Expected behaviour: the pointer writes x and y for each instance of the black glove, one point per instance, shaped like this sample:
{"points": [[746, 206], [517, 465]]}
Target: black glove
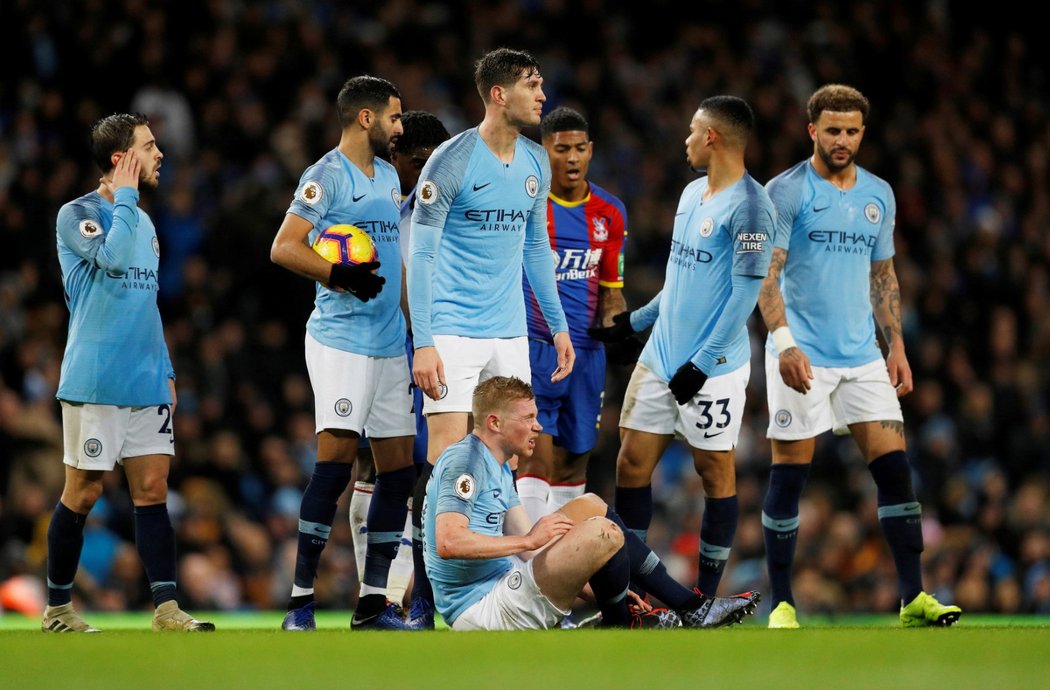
{"points": [[625, 352], [620, 330], [357, 279], [686, 382]]}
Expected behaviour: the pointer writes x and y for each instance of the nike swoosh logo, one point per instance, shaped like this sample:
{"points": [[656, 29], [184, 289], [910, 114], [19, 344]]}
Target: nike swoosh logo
{"points": [[818, 209], [481, 186], [784, 524], [358, 198], [710, 435], [710, 551]]}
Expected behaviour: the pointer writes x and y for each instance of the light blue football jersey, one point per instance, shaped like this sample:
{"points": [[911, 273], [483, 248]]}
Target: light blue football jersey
{"points": [[334, 191], [115, 351], [713, 240], [477, 221], [467, 479], [831, 237]]}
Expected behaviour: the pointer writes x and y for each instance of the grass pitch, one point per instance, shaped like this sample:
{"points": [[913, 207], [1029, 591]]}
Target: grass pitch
{"points": [[249, 651]]}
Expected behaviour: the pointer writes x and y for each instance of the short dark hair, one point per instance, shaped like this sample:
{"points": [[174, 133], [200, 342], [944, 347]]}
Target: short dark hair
{"points": [[423, 130], [838, 98], [113, 133], [496, 394], [362, 92], [502, 67], [563, 119], [732, 111]]}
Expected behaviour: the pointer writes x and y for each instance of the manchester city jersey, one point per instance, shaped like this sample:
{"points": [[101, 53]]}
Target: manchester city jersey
{"points": [[115, 352], [477, 221], [713, 240], [334, 191], [468, 480], [587, 239], [831, 236]]}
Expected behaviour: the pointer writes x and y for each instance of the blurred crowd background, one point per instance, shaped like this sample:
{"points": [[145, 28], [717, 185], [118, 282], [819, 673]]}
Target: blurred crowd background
{"points": [[240, 96]]}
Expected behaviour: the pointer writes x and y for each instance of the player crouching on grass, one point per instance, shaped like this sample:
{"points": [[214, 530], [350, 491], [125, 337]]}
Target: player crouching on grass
{"points": [[474, 525]]}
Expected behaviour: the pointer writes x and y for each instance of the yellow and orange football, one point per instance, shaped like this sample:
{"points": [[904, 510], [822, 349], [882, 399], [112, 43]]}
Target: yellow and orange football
{"points": [[345, 244]]}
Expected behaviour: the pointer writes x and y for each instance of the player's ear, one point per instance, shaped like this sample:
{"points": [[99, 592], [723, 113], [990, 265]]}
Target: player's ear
{"points": [[365, 117], [497, 95]]}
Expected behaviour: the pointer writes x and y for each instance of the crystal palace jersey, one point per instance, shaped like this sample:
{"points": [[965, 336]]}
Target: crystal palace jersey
{"points": [[587, 239]]}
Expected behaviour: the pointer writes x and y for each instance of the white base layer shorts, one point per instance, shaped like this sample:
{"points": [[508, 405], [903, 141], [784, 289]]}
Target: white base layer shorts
{"points": [[710, 421], [359, 392], [838, 397]]}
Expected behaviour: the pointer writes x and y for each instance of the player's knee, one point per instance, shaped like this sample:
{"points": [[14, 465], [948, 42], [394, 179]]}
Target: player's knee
{"points": [[632, 471], [82, 497], [607, 534], [151, 490]]}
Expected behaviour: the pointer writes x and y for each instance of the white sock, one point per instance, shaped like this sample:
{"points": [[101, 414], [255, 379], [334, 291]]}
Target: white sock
{"points": [[533, 493], [360, 499], [401, 568], [563, 493]]}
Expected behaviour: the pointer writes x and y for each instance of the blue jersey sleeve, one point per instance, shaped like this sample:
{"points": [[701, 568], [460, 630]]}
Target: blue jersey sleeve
{"points": [[460, 476], [646, 316], [439, 182], [314, 196], [785, 192], [733, 318], [752, 228], [537, 256], [884, 248], [423, 246], [80, 227]]}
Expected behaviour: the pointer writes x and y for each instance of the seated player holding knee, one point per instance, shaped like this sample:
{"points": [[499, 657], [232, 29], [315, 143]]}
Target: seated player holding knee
{"points": [[490, 571]]}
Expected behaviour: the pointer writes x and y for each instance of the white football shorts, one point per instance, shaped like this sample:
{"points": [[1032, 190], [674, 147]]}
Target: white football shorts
{"points": [[359, 392], [710, 421], [515, 603], [838, 397], [469, 361], [97, 437]]}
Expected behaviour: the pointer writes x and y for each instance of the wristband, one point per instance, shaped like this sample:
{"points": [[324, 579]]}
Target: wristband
{"points": [[782, 339]]}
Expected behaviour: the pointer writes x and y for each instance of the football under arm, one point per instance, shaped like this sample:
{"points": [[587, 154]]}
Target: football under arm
{"points": [[290, 250], [455, 539]]}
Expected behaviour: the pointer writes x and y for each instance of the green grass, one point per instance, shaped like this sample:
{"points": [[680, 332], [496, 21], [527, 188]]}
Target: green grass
{"points": [[249, 652]]}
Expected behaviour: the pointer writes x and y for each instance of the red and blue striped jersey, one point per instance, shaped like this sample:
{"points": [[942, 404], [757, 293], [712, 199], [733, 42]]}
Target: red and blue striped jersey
{"points": [[587, 240]]}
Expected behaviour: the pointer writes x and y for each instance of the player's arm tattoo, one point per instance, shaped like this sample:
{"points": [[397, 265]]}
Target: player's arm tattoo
{"points": [[610, 302], [770, 301], [886, 300]]}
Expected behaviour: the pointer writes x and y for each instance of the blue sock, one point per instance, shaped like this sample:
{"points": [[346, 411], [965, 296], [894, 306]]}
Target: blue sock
{"points": [[386, 523], [155, 541], [901, 518], [610, 589], [648, 571], [316, 514], [420, 582], [716, 540], [65, 539], [780, 526], [635, 508]]}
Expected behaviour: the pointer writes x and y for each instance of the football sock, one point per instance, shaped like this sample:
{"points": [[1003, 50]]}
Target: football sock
{"points": [[610, 589], [65, 540], [155, 541], [533, 492], [386, 523], [315, 522], [780, 526], [360, 500], [901, 518], [420, 582], [648, 571], [560, 494], [716, 540], [635, 508], [401, 569]]}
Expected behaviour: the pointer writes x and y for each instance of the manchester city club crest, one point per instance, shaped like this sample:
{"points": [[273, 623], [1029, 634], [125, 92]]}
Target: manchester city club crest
{"points": [[156, 246], [873, 213], [395, 196], [532, 185], [514, 581], [707, 227], [343, 407], [92, 447], [782, 418], [600, 229]]}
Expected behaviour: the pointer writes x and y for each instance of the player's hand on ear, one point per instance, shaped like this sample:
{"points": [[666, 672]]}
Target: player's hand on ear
{"points": [[126, 171]]}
